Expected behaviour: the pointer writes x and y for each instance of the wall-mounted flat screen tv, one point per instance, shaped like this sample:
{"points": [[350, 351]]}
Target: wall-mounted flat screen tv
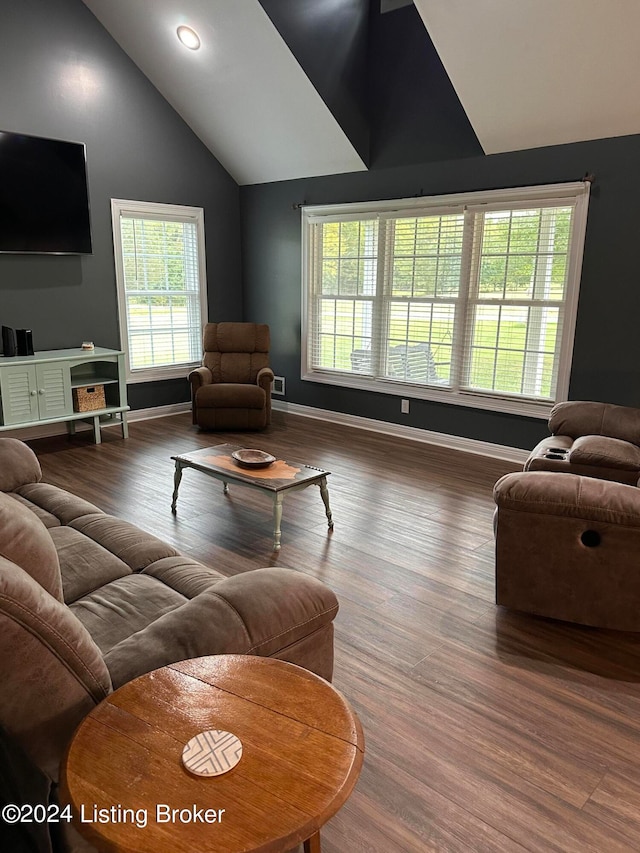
{"points": [[44, 200]]}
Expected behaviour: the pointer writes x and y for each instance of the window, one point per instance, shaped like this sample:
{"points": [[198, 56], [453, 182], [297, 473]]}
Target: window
{"points": [[160, 273], [468, 299]]}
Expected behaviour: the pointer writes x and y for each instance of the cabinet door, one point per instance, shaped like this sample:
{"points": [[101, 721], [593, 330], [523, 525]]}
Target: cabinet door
{"points": [[54, 389], [19, 394]]}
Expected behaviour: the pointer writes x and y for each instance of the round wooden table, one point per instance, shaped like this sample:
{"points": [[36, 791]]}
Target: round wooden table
{"points": [[302, 752]]}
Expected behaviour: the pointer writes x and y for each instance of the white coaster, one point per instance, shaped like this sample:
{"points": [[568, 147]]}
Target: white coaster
{"points": [[212, 753]]}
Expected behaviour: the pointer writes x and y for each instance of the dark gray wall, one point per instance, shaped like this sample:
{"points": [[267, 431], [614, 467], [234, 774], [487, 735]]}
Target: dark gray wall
{"points": [[329, 40], [606, 352], [63, 76], [415, 114]]}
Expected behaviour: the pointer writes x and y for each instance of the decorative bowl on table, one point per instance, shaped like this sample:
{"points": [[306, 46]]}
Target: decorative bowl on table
{"points": [[248, 458]]}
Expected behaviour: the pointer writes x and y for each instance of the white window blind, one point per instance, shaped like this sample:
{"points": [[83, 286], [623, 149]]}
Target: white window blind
{"points": [[465, 299], [161, 287]]}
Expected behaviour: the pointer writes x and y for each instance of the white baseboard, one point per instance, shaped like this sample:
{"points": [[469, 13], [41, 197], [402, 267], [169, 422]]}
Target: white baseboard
{"points": [[33, 432], [440, 439], [159, 412]]}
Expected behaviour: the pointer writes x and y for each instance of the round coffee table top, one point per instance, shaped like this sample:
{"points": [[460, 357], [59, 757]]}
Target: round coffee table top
{"points": [[302, 750]]}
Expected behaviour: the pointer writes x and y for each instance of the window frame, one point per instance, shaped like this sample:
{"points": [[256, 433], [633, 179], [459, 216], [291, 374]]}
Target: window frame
{"points": [[167, 213], [576, 193]]}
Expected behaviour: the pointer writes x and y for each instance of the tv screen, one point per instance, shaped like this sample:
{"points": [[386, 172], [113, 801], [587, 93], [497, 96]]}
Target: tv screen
{"points": [[44, 202]]}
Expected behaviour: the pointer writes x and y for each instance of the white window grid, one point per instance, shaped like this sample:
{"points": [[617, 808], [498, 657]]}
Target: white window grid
{"points": [[160, 268], [448, 375]]}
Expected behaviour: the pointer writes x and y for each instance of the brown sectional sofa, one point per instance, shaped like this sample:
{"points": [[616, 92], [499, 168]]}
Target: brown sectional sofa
{"points": [[568, 526], [566, 548], [89, 602]]}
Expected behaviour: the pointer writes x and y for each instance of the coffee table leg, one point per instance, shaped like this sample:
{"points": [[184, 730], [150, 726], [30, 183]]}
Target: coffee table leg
{"points": [[312, 845], [176, 484], [277, 518], [324, 491]]}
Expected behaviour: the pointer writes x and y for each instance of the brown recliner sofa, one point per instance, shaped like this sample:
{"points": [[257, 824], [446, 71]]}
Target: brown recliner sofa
{"points": [[567, 548], [89, 602], [592, 439], [232, 389]]}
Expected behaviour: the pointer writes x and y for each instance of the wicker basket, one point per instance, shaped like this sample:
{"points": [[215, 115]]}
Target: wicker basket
{"points": [[89, 399]]}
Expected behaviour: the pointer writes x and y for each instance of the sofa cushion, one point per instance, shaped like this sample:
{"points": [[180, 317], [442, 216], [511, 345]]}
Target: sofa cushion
{"points": [[45, 517], [580, 417], [19, 465], [601, 451], [84, 564], [24, 540], [133, 546], [123, 607], [231, 395], [183, 574], [65, 506]]}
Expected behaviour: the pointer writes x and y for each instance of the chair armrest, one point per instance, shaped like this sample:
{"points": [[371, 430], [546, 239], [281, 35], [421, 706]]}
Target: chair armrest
{"points": [[18, 465], [577, 418], [259, 612], [265, 379], [199, 377]]}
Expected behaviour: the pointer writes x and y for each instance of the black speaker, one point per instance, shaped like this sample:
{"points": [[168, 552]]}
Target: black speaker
{"points": [[8, 342], [24, 341]]}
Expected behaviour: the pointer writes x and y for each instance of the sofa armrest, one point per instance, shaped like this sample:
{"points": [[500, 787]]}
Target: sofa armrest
{"points": [[51, 671], [260, 612], [569, 496], [18, 465], [577, 418]]}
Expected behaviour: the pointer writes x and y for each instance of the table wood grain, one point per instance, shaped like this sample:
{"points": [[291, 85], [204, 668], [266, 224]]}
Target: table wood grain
{"points": [[302, 753]]}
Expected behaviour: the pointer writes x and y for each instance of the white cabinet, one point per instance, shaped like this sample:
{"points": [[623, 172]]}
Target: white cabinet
{"points": [[37, 389], [33, 392]]}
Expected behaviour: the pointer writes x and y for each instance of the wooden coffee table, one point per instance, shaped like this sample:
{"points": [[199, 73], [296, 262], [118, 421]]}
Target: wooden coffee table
{"points": [[303, 749], [280, 478]]}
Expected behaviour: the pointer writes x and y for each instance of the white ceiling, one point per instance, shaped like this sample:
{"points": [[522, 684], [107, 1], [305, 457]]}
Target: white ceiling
{"points": [[243, 93], [540, 72]]}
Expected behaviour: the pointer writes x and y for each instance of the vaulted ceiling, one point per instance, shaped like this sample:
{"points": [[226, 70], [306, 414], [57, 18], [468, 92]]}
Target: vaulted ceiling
{"points": [[260, 94], [540, 72], [243, 92]]}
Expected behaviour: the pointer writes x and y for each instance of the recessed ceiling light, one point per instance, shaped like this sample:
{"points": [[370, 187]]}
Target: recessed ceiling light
{"points": [[189, 37]]}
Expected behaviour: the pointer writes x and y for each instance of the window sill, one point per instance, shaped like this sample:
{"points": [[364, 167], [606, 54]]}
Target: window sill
{"points": [[158, 374], [468, 399]]}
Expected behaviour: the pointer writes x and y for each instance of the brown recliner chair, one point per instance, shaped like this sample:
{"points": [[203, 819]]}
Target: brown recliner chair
{"points": [[592, 439], [232, 389]]}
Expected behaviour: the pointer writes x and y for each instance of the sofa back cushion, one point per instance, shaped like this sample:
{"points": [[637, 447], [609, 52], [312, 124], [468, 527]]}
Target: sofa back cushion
{"points": [[25, 541], [580, 417], [19, 465], [52, 673]]}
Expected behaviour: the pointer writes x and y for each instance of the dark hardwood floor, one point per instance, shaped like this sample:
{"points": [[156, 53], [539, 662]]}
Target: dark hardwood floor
{"points": [[486, 730]]}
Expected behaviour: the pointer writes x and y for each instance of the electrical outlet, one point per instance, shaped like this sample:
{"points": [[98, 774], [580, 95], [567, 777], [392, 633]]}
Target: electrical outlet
{"points": [[404, 407], [278, 385]]}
